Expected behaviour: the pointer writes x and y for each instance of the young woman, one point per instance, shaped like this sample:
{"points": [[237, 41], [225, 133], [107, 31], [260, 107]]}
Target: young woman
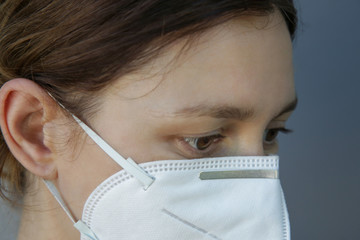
{"points": [[145, 119]]}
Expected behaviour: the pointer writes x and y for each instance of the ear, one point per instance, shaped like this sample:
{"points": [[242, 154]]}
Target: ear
{"points": [[24, 110]]}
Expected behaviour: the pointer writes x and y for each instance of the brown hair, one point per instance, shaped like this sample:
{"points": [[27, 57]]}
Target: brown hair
{"points": [[73, 49]]}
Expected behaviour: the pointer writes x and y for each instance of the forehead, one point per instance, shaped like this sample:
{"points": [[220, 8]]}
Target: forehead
{"points": [[244, 62]]}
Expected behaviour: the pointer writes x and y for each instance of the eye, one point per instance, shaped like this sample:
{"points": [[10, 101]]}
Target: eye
{"points": [[203, 143], [270, 135]]}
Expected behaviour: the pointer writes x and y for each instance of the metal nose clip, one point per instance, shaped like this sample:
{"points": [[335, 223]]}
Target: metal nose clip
{"points": [[271, 174]]}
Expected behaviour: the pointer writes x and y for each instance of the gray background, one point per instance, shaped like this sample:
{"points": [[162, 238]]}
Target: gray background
{"points": [[320, 164], [320, 167]]}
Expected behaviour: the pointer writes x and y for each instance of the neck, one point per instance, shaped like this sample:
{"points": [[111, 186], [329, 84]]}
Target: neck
{"points": [[42, 216]]}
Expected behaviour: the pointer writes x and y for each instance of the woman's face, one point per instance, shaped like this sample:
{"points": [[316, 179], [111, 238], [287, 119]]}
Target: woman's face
{"points": [[216, 100], [229, 94]]}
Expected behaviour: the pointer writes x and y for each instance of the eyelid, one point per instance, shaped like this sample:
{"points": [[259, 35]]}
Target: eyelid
{"points": [[283, 117], [217, 136], [191, 152], [279, 125], [208, 134], [194, 153], [276, 124]]}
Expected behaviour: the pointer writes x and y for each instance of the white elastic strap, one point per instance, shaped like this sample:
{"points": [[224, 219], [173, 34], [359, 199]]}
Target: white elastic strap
{"points": [[128, 165], [84, 229], [58, 198], [79, 225]]}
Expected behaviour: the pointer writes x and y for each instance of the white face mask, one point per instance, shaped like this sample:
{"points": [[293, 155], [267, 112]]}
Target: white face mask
{"points": [[226, 198]]}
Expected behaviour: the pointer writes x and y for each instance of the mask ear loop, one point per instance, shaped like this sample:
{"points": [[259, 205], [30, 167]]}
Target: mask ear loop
{"points": [[127, 164], [79, 225]]}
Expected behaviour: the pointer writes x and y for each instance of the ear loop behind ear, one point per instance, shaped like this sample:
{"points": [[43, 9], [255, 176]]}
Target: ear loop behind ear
{"points": [[128, 164]]}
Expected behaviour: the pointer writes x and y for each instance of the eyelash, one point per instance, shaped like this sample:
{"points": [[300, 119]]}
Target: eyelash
{"points": [[191, 142], [277, 131]]}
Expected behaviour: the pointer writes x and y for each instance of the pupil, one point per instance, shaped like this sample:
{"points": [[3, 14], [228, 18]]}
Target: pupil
{"points": [[203, 143], [271, 135]]}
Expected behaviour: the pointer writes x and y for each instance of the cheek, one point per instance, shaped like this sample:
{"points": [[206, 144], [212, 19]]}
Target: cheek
{"points": [[82, 166]]}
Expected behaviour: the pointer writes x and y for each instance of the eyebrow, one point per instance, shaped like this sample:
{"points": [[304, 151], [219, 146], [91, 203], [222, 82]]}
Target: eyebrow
{"points": [[227, 112]]}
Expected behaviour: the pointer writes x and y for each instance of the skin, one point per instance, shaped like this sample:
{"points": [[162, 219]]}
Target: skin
{"points": [[244, 64]]}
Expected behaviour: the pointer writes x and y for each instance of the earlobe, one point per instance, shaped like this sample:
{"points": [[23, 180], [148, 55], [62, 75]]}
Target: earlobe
{"points": [[25, 108]]}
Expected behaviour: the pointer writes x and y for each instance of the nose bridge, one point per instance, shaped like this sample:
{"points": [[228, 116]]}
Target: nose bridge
{"points": [[251, 149], [249, 143]]}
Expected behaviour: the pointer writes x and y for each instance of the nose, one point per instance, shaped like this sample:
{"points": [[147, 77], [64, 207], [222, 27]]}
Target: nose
{"points": [[250, 144], [252, 150]]}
